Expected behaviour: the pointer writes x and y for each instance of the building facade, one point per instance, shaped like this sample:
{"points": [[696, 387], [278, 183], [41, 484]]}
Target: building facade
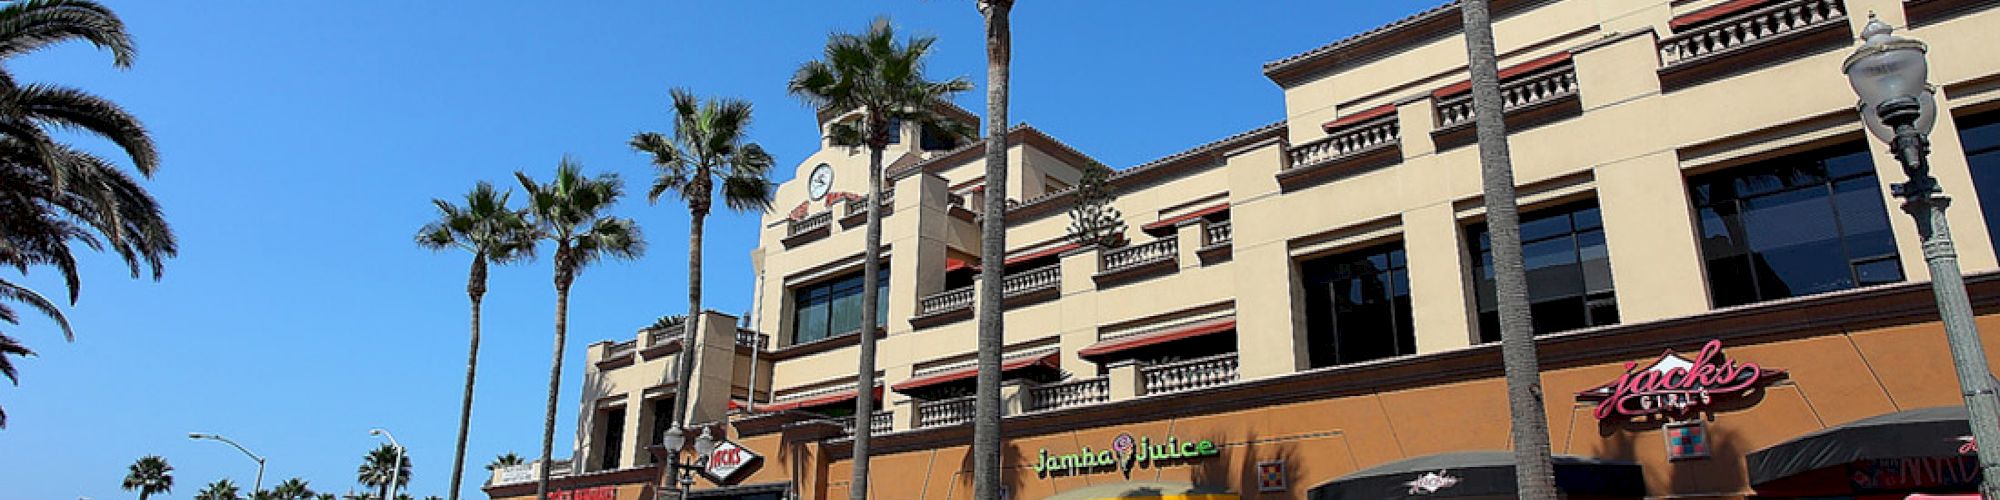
{"points": [[1716, 265]]}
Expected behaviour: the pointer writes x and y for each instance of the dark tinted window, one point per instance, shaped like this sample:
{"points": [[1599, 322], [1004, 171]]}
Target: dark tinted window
{"points": [[1358, 306], [936, 139], [1798, 225], [1569, 271], [614, 437], [1981, 137], [833, 308]]}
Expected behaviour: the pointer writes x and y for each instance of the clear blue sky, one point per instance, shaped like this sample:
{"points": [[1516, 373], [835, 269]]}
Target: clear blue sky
{"points": [[303, 140]]}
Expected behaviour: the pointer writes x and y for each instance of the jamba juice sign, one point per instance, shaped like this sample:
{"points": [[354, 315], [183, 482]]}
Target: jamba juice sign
{"points": [[1125, 454], [1675, 385]]}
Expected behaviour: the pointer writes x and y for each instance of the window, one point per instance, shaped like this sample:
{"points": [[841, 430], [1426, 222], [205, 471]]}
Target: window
{"points": [[613, 422], [1358, 306], [936, 139], [833, 308], [895, 130], [663, 418], [1569, 272], [1981, 137], [1793, 226]]}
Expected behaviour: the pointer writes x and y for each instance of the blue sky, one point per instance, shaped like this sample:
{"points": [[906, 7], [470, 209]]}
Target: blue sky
{"points": [[302, 142]]}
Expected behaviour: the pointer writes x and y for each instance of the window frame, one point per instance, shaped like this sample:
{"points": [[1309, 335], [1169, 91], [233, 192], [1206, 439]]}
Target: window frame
{"points": [[1479, 252]]}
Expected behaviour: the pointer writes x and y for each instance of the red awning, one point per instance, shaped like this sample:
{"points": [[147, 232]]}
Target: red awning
{"points": [[1017, 259], [1175, 220], [1713, 12], [1157, 337], [811, 401], [951, 264], [1369, 114], [1050, 359], [1505, 73]]}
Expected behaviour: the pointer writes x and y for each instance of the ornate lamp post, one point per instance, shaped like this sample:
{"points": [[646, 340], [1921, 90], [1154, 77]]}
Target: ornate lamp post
{"points": [[1889, 73], [259, 485], [680, 476]]}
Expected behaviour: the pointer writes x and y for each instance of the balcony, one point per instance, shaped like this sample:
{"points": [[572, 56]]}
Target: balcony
{"points": [[854, 211], [619, 355], [945, 306], [1926, 12], [1712, 43], [1069, 393], [752, 339], [1349, 148], [944, 412], [1136, 260], [1215, 239], [1034, 284], [1168, 378], [809, 228], [881, 424], [1538, 97]]}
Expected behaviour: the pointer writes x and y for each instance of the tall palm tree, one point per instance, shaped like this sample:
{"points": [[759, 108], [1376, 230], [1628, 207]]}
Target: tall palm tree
{"points": [[376, 469], [1533, 472], [53, 196], [292, 489], [149, 475], [708, 149], [571, 211], [220, 490], [993, 244], [883, 78], [494, 234]]}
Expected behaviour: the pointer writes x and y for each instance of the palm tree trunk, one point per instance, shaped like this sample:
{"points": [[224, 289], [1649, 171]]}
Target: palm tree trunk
{"points": [[555, 380], [864, 385], [685, 371], [1533, 473], [993, 251], [475, 288]]}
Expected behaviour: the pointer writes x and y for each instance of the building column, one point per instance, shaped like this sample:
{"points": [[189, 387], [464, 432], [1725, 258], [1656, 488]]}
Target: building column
{"points": [[632, 448], [1649, 230], [1442, 304], [714, 352]]}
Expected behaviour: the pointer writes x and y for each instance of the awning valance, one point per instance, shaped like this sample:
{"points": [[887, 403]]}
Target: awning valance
{"points": [[1480, 474], [1050, 359], [812, 401], [1156, 337], [1858, 456], [1170, 222]]}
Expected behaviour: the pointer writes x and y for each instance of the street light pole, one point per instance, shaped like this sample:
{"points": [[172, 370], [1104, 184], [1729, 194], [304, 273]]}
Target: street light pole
{"points": [[1889, 73], [259, 486], [395, 468]]}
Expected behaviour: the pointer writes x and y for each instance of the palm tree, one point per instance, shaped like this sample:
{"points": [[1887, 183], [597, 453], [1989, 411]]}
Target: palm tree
{"points": [[505, 460], [52, 195], [376, 470], [219, 490], [882, 77], [707, 149], [570, 210], [1532, 470], [292, 489], [993, 243], [150, 475], [494, 234], [326, 496]]}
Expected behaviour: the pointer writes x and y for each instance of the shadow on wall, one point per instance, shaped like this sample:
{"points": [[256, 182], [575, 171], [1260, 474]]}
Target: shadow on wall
{"points": [[1243, 478], [1721, 473], [1014, 466]]}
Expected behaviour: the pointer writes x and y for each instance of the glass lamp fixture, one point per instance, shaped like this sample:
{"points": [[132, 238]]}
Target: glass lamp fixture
{"points": [[704, 444], [1890, 68]]}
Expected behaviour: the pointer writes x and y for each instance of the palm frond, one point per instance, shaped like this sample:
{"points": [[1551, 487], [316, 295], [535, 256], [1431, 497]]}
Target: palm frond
{"points": [[29, 25], [74, 108]]}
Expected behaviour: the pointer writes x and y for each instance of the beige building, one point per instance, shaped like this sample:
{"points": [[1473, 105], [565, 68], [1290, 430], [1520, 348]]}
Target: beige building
{"points": [[1689, 170]]}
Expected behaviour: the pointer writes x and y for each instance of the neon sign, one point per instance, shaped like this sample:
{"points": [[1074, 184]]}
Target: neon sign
{"points": [[1125, 453], [1676, 385]]}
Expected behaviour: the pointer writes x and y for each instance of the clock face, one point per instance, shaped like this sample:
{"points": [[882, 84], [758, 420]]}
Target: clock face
{"points": [[820, 181]]}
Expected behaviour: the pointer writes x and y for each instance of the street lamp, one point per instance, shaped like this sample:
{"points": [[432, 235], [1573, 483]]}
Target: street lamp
{"points": [[681, 475], [396, 467], [1890, 75], [259, 486]]}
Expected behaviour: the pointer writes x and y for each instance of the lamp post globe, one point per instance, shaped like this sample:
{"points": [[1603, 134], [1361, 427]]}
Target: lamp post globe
{"points": [[1891, 76]]}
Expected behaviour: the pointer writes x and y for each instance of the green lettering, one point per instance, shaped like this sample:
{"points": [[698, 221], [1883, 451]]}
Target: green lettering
{"points": [[1042, 464], [1104, 458], [1206, 448]]}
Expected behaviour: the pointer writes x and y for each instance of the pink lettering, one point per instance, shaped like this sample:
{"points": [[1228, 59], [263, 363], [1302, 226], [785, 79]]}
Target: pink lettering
{"points": [[1642, 391]]}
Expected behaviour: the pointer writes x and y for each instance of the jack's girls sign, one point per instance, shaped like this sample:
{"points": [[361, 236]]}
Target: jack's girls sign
{"points": [[1674, 385]]}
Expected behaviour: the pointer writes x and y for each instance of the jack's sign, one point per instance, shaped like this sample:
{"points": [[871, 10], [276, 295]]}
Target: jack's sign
{"points": [[729, 462], [1676, 385]]}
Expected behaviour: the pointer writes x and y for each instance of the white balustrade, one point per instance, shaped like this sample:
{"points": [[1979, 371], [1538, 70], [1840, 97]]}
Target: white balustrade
{"points": [[1349, 141], [1748, 28], [1162, 249], [1540, 87], [1069, 393], [1189, 375]]}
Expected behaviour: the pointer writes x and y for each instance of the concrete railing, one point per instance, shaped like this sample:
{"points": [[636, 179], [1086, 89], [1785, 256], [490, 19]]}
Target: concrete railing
{"points": [[1215, 233], [1069, 393], [625, 348], [1748, 28], [1138, 255], [948, 300], [951, 411], [881, 424], [1189, 375], [1040, 278], [809, 224], [659, 336], [1358, 138], [1543, 86], [752, 339]]}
